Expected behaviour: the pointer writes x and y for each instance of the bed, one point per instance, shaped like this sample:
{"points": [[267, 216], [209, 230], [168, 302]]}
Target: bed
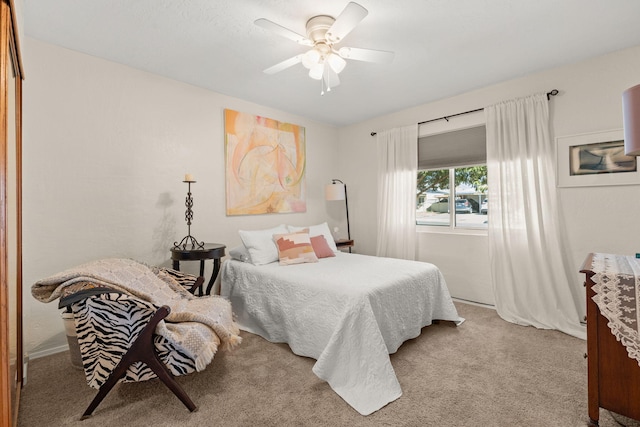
{"points": [[348, 311]]}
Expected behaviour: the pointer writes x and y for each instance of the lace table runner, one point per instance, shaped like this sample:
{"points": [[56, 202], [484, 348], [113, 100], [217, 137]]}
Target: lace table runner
{"points": [[617, 287]]}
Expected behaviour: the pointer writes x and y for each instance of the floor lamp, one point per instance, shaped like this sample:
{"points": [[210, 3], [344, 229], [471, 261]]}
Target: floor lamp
{"points": [[337, 190]]}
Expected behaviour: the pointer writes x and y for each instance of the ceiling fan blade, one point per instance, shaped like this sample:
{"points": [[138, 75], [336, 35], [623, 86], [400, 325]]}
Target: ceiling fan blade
{"points": [[352, 14], [284, 64], [284, 32], [368, 55]]}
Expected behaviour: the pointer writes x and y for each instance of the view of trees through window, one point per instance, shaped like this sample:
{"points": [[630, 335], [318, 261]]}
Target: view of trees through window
{"points": [[463, 206]]}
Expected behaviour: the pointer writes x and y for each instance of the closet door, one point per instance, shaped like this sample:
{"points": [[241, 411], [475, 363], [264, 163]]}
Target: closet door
{"points": [[10, 218]]}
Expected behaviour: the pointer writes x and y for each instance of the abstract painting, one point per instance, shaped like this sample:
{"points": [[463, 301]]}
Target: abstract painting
{"points": [[601, 157], [265, 165]]}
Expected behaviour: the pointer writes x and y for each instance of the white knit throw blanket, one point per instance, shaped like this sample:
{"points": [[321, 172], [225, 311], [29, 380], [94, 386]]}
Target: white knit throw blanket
{"points": [[205, 315]]}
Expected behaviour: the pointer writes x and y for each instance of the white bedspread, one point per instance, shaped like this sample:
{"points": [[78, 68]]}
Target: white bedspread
{"points": [[348, 312]]}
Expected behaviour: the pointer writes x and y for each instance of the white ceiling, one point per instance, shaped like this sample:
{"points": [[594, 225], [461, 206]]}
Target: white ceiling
{"points": [[442, 47]]}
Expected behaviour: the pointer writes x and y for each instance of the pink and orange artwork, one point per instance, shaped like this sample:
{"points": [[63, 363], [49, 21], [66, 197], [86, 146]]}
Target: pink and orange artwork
{"points": [[265, 165]]}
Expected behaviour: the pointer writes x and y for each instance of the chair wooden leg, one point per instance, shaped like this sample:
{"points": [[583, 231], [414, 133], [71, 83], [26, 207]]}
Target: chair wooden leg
{"points": [[143, 350], [105, 389], [165, 376]]}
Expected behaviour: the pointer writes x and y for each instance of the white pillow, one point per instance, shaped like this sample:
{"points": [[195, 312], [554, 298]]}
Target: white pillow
{"points": [[318, 230], [240, 253], [262, 249]]}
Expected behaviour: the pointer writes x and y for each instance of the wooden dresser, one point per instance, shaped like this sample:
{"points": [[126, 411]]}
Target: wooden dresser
{"points": [[613, 377]]}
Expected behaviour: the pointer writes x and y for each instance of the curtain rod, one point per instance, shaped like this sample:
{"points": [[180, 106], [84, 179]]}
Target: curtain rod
{"points": [[551, 93]]}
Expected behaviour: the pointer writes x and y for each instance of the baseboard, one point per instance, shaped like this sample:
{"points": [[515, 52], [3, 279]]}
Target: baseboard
{"points": [[47, 352], [36, 355], [25, 368], [478, 304]]}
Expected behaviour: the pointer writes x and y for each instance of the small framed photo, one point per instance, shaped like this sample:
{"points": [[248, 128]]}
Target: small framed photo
{"points": [[593, 159]]}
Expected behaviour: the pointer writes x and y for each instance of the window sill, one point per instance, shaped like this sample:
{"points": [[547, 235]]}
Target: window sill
{"points": [[430, 229]]}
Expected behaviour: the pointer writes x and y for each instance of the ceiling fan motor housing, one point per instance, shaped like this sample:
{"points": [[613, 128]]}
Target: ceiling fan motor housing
{"points": [[317, 28]]}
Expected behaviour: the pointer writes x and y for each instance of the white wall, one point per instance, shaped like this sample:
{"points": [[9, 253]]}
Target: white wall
{"points": [[106, 148], [597, 219]]}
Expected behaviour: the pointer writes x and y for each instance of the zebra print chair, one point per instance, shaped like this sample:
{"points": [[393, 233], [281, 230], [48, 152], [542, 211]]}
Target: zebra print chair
{"points": [[115, 333]]}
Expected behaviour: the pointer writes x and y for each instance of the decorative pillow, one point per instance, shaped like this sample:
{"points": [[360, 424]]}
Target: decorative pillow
{"points": [[259, 243], [240, 253], [294, 248], [321, 247], [317, 230]]}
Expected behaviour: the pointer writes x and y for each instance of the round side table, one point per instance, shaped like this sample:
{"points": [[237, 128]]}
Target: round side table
{"points": [[214, 251]]}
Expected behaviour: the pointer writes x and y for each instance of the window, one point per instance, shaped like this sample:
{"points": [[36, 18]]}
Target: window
{"points": [[457, 157], [438, 205]]}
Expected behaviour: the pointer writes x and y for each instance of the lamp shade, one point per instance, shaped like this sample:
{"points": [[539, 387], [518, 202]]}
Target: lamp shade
{"points": [[631, 119], [334, 191], [316, 71]]}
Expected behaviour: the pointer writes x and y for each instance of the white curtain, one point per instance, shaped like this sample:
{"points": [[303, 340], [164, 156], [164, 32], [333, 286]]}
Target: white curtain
{"points": [[397, 174], [531, 281]]}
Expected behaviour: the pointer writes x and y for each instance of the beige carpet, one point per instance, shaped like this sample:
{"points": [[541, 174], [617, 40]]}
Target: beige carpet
{"points": [[486, 372]]}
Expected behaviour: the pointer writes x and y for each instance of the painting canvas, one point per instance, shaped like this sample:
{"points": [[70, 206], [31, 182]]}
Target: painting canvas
{"points": [[602, 157], [265, 165]]}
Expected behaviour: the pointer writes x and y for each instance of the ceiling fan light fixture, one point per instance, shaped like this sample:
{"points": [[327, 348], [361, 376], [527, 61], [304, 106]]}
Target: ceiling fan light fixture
{"points": [[336, 62], [317, 71], [311, 58], [325, 60]]}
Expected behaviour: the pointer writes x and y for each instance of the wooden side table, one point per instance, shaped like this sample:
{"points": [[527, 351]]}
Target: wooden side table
{"points": [[613, 377], [344, 244], [214, 251]]}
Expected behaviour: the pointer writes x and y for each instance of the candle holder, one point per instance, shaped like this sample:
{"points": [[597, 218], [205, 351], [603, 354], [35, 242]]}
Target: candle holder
{"points": [[188, 216]]}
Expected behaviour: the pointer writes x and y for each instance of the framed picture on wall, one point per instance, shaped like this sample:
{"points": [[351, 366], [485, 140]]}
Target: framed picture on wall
{"points": [[593, 159], [265, 165]]}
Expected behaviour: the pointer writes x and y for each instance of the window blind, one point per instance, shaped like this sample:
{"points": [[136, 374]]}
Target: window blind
{"points": [[463, 147]]}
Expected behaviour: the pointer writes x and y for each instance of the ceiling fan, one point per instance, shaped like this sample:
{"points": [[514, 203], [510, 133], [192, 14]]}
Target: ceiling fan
{"points": [[324, 60]]}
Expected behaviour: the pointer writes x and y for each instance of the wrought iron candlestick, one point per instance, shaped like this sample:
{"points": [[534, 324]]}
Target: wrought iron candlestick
{"points": [[188, 216]]}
